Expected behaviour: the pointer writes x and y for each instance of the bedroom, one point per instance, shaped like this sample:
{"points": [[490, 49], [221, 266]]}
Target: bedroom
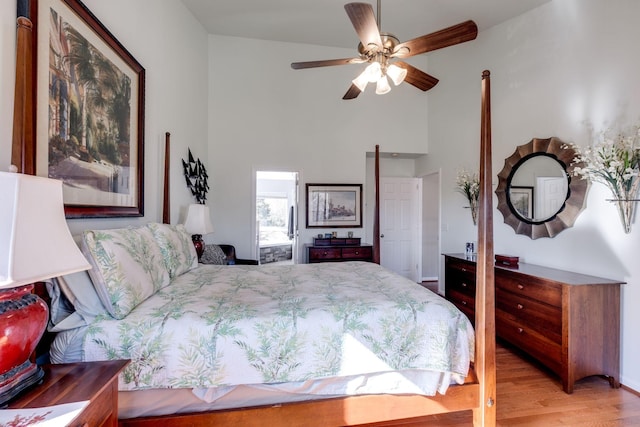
{"points": [[553, 68]]}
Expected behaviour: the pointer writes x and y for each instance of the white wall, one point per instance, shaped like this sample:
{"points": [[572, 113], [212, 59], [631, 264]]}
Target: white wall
{"points": [[172, 47], [552, 69], [265, 116]]}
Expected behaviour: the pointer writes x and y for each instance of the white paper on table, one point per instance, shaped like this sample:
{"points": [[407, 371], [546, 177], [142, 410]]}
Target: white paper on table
{"points": [[50, 416]]}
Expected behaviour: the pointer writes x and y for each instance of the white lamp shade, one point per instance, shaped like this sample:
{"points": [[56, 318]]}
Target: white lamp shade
{"points": [[383, 86], [35, 242], [198, 220], [396, 74], [374, 72], [361, 81]]}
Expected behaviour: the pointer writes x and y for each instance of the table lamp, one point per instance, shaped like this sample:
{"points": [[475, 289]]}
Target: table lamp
{"points": [[35, 245], [197, 223]]}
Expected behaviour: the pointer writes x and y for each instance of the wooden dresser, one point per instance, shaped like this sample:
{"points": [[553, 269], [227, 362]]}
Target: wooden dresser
{"points": [[338, 249], [568, 321]]}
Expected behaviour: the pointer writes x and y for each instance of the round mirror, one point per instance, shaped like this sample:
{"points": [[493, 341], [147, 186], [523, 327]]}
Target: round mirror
{"points": [[537, 194], [538, 187]]}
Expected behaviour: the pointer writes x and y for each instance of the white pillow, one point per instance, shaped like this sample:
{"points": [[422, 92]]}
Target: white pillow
{"points": [[176, 246], [128, 267]]}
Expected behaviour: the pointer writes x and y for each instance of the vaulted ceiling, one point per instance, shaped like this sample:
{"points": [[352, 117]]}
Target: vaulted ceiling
{"points": [[325, 23]]}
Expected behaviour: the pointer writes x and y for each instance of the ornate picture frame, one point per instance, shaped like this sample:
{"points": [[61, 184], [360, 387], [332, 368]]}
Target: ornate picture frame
{"points": [[89, 112], [334, 205]]}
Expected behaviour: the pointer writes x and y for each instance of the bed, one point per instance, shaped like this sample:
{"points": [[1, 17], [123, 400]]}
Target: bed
{"points": [[285, 333], [455, 384]]}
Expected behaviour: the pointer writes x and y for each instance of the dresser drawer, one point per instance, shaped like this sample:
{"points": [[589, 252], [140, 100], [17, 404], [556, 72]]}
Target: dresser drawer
{"points": [[540, 346], [324, 253], [462, 282], [464, 302], [530, 288], [544, 318], [357, 253], [459, 265]]}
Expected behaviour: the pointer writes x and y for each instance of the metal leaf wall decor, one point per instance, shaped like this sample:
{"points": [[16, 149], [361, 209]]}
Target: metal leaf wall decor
{"points": [[196, 177]]}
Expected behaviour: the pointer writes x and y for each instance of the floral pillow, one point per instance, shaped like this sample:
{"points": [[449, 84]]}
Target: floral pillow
{"points": [[177, 248], [128, 267], [213, 254]]}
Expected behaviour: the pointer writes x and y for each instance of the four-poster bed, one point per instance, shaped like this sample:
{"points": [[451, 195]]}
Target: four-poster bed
{"points": [[476, 394]]}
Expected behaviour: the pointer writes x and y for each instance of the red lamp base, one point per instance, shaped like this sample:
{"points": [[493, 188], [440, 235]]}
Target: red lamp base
{"points": [[198, 243], [23, 319]]}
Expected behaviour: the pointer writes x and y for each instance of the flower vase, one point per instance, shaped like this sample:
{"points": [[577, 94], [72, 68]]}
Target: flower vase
{"points": [[473, 205], [626, 209]]}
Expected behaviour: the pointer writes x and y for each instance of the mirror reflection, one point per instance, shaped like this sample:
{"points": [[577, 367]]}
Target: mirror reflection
{"points": [[536, 195], [538, 188]]}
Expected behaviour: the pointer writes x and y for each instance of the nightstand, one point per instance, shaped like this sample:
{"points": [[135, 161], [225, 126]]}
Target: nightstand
{"points": [[76, 382]]}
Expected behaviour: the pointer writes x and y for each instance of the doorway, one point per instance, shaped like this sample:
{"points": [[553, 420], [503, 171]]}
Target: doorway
{"points": [[400, 226], [276, 217], [431, 227]]}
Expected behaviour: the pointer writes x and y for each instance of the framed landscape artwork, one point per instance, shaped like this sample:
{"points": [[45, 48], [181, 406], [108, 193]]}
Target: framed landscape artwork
{"points": [[334, 205], [90, 112], [522, 200]]}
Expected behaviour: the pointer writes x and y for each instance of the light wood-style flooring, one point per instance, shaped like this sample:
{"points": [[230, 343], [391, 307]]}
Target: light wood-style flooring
{"points": [[529, 395]]}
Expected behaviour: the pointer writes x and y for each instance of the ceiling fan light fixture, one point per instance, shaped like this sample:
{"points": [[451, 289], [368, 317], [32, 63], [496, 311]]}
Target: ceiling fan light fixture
{"points": [[374, 72], [361, 81], [382, 86], [396, 74]]}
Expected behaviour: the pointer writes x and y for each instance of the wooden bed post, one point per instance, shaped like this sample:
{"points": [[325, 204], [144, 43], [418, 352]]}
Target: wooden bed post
{"points": [[376, 210], [166, 208], [485, 355], [23, 154]]}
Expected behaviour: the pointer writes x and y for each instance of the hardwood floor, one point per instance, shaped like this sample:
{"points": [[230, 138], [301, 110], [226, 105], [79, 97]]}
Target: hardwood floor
{"points": [[528, 395]]}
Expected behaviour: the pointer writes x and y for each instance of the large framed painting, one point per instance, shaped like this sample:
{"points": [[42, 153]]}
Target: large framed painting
{"points": [[90, 112], [334, 205]]}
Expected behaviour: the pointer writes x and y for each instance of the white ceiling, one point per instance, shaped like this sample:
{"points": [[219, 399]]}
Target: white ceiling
{"points": [[325, 23]]}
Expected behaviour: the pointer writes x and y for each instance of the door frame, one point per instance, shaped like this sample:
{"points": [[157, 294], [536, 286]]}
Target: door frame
{"points": [[438, 200], [295, 243]]}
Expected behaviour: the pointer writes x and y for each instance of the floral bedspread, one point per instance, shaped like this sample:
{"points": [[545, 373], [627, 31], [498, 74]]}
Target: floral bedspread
{"points": [[228, 325]]}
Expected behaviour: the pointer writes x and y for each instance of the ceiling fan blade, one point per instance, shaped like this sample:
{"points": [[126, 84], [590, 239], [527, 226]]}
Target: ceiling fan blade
{"points": [[416, 77], [364, 22], [352, 93], [460, 33], [325, 63]]}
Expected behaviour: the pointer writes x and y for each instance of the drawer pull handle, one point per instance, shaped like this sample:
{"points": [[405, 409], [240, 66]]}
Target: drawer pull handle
{"points": [[325, 253], [464, 285], [357, 253], [520, 330], [521, 287], [520, 306], [464, 303]]}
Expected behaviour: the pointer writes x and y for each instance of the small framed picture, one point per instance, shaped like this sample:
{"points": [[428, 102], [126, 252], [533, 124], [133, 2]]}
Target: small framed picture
{"points": [[334, 205], [328, 235], [521, 199]]}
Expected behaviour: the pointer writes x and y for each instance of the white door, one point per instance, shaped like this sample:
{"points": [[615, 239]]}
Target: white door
{"points": [[400, 228], [551, 193]]}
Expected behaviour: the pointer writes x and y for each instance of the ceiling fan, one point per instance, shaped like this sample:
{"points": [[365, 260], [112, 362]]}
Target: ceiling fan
{"points": [[383, 50]]}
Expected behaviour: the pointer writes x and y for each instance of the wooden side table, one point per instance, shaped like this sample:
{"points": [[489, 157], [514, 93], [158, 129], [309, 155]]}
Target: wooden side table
{"points": [[77, 382]]}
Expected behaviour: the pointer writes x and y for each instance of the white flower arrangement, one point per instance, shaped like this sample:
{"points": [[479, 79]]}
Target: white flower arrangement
{"points": [[468, 184], [614, 162]]}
